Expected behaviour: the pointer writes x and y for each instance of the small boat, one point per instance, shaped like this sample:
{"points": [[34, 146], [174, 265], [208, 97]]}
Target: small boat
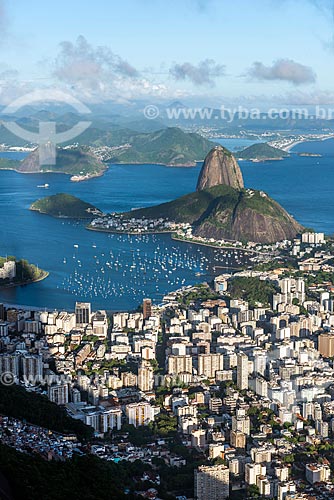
{"points": [[76, 246], [43, 186]]}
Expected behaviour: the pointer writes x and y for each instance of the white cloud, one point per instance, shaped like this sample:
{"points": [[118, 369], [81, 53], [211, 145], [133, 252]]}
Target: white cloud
{"points": [[204, 73], [96, 74], [283, 70]]}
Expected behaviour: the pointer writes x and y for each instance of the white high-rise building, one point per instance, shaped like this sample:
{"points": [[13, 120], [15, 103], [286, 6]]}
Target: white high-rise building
{"points": [[242, 371], [139, 414], [82, 313], [209, 364], [260, 363], [313, 238], [212, 482], [111, 419], [58, 393], [253, 471], [241, 422], [179, 364], [145, 377], [8, 270], [100, 324], [10, 363], [317, 473], [32, 368]]}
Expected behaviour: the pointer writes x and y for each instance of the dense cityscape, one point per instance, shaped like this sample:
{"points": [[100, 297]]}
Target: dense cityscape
{"points": [[234, 378], [166, 250]]}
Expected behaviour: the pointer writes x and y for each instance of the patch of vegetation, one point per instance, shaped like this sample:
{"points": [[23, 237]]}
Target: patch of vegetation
{"points": [[261, 151], [74, 161], [192, 207], [200, 293], [36, 409], [317, 277], [65, 205], [8, 164], [281, 262], [31, 477], [252, 289], [261, 203], [170, 146], [25, 272]]}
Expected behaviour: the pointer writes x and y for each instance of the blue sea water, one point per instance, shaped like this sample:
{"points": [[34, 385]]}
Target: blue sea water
{"points": [[116, 272]]}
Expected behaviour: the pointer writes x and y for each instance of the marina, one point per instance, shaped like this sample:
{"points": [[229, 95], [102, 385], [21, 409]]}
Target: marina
{"points": [[115, 271]]}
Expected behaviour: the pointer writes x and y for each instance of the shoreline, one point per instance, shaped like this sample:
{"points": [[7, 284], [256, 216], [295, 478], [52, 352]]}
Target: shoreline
{"points": [[28, 282], [84, 178], [292, 145], [132, 233], [175, 238], [88, 177], [306, 139], [262, 160], [212, 245], [58, 216], [169, 165]]}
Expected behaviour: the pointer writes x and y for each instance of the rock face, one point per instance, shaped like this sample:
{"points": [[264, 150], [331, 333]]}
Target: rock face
{"points": [[31, 163], [229, 213], [221, 208], [220, 167], [254, 217]]}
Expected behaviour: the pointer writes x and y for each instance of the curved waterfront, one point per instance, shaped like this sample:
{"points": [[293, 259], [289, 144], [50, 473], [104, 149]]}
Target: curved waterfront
{"points": [[116, 271]]}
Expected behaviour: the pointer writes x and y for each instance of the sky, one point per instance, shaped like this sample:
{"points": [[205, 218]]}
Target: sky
{"points": [[210, 51]]}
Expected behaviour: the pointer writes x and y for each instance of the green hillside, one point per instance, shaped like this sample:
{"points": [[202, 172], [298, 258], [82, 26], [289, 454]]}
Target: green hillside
{"points": [[7, 164], [25, 272], [169, 146], [65, 205], [74, 161], [37, 409], [261, 151], [191, 207], [225, 212]]}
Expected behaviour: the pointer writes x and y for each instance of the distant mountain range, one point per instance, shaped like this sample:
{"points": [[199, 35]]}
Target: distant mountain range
{"points": [[109, 120], [170, 146]]}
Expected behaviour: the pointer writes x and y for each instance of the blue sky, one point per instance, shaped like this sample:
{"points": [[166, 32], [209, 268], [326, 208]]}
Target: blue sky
{"points": [[173, 48]]}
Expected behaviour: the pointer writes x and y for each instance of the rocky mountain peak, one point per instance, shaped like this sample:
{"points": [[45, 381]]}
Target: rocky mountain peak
{"points": [[220, 167]]}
